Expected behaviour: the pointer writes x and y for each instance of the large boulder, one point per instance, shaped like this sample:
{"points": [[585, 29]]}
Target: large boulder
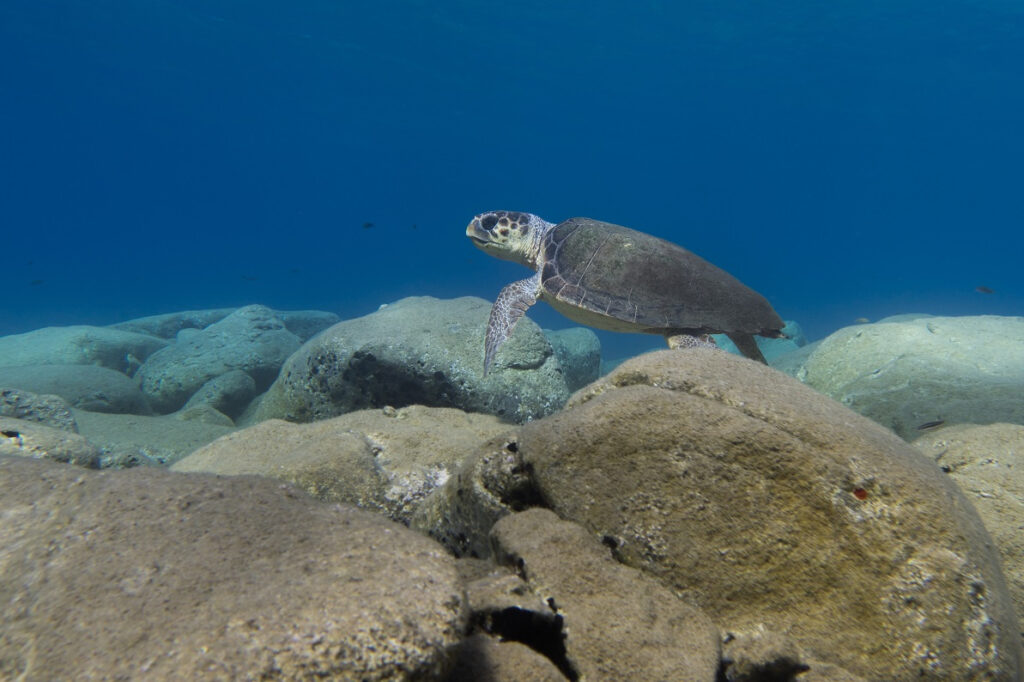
{"points": [[386, 460], [915, 369], [987, 462], [251, 339], [78, 345], [766, 504], [148, 573], [421, 350], [87, 387]]}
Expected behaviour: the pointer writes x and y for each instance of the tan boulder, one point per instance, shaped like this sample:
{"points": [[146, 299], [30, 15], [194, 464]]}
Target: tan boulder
{"points": [[612, 621], [987, 462], [384, 459], [149, 574], [327, 462], [764, 502]]}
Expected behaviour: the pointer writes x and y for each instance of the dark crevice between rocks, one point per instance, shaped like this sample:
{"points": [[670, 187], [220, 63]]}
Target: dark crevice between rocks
{"points": [[541, 632], [513, 483]]}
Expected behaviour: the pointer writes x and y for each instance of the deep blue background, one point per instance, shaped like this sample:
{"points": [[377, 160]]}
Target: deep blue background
{"points": [[846, 159]]}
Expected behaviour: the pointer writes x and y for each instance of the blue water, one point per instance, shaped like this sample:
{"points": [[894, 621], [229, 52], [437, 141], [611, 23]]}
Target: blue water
{"points": [[847, 159]]}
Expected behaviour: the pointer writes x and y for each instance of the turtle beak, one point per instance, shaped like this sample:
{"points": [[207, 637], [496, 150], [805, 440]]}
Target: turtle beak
{"points": [[477, 233]]}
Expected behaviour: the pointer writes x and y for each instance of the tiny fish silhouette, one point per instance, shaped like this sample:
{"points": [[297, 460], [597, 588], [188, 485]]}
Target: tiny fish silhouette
{"points": [[931, 425], [367, 226], [984, 290], [35, 282], [861, 320]]}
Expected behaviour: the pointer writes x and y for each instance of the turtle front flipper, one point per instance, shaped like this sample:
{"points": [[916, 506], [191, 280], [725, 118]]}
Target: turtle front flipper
{"points": [[511, 304]]}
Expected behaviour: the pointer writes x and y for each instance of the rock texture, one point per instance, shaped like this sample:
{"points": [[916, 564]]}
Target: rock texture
{"points": [[579, 353], [326, 462], [380, 459], [86, 387], [129, 440], [32, 439], [51, 410], [487, 659], [78, 345], [418, 448], [987, 462], [910, 371], [618, 623], [422, 351], [251, 339], [491, 483], [762, 502], [270, 585], [230, 393]]}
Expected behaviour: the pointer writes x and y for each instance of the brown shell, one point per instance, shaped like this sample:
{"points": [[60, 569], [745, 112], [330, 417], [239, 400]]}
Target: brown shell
{"points": [[616, 278]]}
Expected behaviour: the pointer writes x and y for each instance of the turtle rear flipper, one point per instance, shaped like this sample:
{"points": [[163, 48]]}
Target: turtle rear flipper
{"points": [[747, 345]]}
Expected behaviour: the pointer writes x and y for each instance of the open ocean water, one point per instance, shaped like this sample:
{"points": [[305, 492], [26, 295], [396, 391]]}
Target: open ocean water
{"points": [[693, 517], [846, 159]]}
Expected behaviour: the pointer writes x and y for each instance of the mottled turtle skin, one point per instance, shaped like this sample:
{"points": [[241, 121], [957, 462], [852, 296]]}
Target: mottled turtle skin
{"points": [[611, 277]]}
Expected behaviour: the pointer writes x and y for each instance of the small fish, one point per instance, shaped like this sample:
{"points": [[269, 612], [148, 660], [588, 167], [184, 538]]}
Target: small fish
{"points": [[861, 320], [931, 425], [250, 278], [36, 282], [367, 226], [984, 290]]}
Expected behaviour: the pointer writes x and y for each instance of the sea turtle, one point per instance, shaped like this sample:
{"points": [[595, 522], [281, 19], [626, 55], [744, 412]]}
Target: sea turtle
{"points": [[611, 277]]}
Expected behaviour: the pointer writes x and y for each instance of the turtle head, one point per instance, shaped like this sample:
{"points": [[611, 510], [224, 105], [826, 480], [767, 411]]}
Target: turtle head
{"points": [[509, 235]]}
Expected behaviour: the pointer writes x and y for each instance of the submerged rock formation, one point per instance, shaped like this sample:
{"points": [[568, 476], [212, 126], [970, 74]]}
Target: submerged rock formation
{"points": [[911, 370], [765, 504], [122, 574], [422, 351]]}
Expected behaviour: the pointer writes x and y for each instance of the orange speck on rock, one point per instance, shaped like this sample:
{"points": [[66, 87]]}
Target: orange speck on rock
{"points": [[860, 493]]}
